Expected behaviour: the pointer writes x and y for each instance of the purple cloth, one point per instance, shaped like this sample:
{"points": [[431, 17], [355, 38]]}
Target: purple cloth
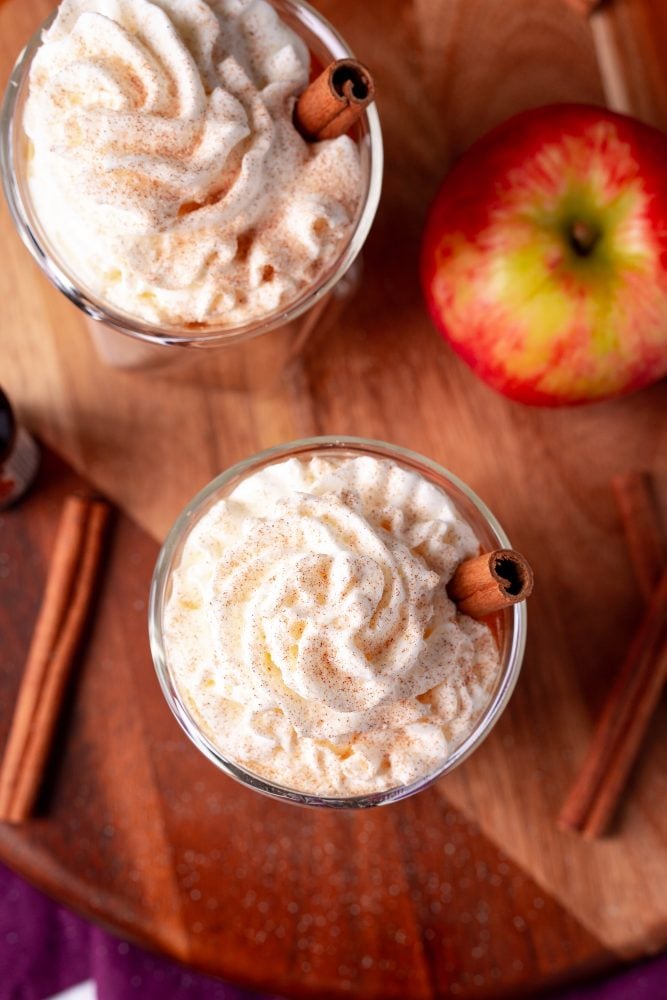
{"points": [[45, 948], [644, 981]]}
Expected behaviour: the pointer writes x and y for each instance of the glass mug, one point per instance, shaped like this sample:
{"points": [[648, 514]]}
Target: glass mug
{"points": [[509, 624], [255, 352]]}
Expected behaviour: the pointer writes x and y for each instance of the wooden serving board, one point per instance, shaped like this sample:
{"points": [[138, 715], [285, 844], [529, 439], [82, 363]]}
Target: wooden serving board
{"points": [[468, 889], [138, 830]]}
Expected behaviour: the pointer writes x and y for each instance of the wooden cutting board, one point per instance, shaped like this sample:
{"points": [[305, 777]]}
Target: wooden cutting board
{"points": [[469, 888], [136, 829]]}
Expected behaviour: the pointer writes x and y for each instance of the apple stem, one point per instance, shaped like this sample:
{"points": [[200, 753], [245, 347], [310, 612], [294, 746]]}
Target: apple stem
{"points": [[583, 238]]}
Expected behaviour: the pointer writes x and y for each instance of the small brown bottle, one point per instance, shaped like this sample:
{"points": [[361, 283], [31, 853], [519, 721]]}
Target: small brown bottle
{"points": [[19, 456]]}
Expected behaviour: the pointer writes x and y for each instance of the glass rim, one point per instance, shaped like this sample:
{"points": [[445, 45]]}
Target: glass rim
{"points": [[165, 563], [178, 334]]}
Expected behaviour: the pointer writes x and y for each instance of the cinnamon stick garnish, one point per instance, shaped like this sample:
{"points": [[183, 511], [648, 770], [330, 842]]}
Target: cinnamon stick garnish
{"points": [[334, 101], [644, 536], [625, 718], [490, 582], [58, 632]]}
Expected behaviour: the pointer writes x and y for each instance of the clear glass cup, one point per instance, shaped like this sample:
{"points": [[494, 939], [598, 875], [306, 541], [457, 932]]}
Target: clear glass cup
{"points": [[509, 625], [145, 345]]}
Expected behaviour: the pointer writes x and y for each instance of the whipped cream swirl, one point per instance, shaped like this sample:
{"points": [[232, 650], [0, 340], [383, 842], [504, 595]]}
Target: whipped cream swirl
{"points": [[165, 167], [310, 632]]}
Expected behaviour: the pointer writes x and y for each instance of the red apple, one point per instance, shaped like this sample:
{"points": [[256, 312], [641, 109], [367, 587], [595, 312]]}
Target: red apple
{"points": [[545, 256]]}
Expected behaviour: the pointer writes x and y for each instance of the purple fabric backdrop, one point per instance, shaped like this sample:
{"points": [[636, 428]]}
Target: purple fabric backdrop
{"points": [[645, 981], [45, 949]]}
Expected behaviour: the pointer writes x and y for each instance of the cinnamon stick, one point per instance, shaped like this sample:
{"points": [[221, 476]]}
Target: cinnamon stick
{"points": [[64, 561], [61, 622], [334, 101], [490, 582], [622, 726], [626, 716], [645, 539]]}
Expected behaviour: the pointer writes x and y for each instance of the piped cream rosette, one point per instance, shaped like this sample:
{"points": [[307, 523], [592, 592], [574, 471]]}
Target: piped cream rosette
{"points": [[165, 168], [310, 632]]}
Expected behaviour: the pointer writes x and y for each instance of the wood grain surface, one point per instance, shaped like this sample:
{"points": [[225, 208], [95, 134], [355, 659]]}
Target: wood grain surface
{"points": [[629, 38], [446, 71], [136, 829]]}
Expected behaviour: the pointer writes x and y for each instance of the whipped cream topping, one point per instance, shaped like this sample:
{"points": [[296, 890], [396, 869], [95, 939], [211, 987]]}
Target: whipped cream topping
{"points": [[309, 631], [164, 165]]}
